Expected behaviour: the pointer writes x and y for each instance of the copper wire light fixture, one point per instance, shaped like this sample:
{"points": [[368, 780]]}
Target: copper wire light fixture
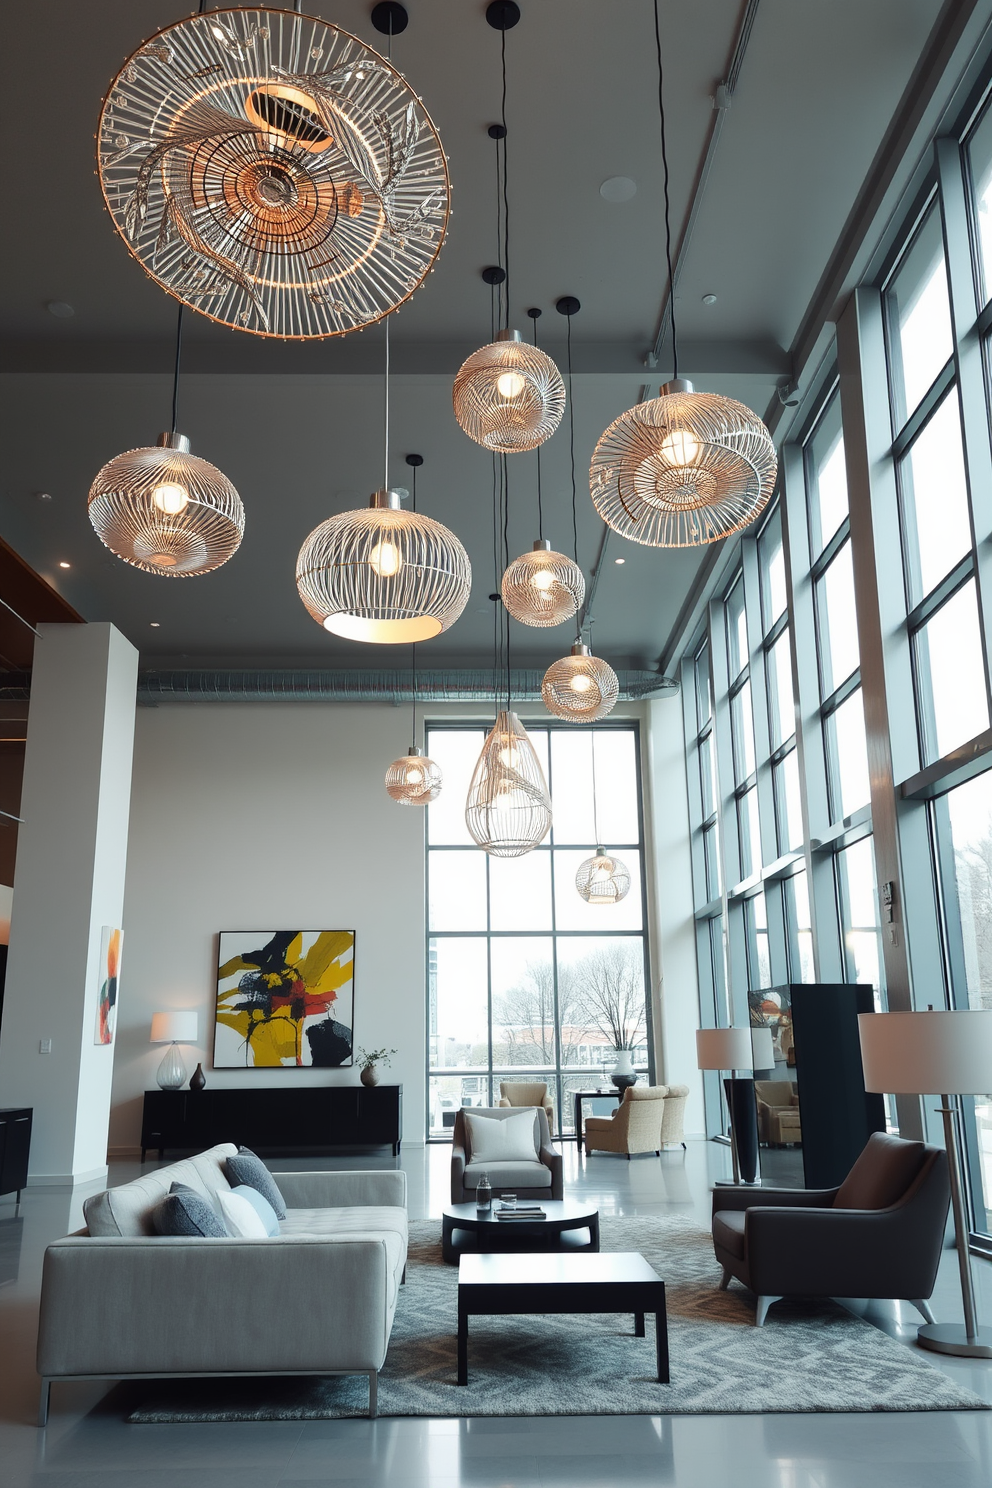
{"points": [[580, 687], [508, 811], [542, 588], [602, 879], [273, 172], [685, 468]]}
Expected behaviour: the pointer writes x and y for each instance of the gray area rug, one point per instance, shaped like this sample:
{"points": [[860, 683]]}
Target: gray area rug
{"points": [[810, 1356]]}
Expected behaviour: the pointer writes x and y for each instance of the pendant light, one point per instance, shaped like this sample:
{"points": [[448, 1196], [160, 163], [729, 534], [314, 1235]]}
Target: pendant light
{"points": [[685, 468], [273, 172], [382, 574], [507, 396], [602, 879], [508, 811], [163, 509], [414, 780]]}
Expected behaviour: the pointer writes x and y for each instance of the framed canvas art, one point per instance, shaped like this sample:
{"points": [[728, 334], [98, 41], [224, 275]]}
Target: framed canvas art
{"points": [[285, 999], [111, 941]]}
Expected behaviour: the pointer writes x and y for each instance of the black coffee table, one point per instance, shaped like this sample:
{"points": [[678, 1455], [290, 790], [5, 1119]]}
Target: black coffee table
{"points": [[464, 1229], [619, 1281]]}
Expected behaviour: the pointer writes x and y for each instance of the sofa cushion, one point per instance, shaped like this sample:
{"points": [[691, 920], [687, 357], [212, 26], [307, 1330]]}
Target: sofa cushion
{"points": [[184, 1212], [728, 1231], [882, 1174], [361, 1222], [127, 1210], [241, 1218], [261, 1206], [245, 1167], [494, 1140], [510, 1175]]}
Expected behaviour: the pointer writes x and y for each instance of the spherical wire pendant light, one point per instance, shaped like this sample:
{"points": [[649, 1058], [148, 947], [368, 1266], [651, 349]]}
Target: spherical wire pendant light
{"points": [[509, 396], [273, 172], [580, 687], [542, 588], [508, 810], [602, 879]]}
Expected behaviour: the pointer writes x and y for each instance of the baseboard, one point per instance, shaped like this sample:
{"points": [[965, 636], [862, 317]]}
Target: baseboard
{"points": [[66, 1180], [118, 1154]]}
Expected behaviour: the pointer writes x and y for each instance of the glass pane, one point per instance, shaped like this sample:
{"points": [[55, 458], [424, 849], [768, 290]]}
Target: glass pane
{"points": [[788, 802], [935, 501], [760, 967], [737, 652], [572, 785], [457, 890], [750, 832], [704, 706], [951, 672], [458, 1003], [826, 478], [707, 774], [594, 1056], [602, 979], [456, 751], [711, 858], [850, 787], [859, 909], [520, 892], [919, 319], [781, 704], [771, 562], [742, 724], [838, 625], [523, 1002], [980, 161], [797, 899], [447, 1093], [571, 910]]}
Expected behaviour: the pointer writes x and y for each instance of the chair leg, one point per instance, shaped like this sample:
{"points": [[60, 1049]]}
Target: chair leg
{"points": [[923, 1306], [373, 1393], [43, 1400], [762, 1311], [725, 1279]]}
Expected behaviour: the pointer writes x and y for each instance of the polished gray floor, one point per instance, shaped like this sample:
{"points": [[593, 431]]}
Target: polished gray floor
{"points": [[88, 1443]]}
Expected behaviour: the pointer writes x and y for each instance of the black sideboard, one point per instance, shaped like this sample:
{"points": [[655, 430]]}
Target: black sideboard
{"points": [[15, 1148], [322, 1118]]}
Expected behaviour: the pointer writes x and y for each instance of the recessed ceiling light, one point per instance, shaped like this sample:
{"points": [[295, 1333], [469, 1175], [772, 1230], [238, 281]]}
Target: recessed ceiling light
{"points": [[709, 299], [43, 495], [60, 309], [63, 564], [618, 189], [154, 624], [619, 560]]}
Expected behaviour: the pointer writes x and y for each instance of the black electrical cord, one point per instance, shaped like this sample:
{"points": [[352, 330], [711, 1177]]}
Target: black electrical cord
{"points": [[571, 444], [540, 504], [506, 197], [175, 375], [506, 563], [413, 648], [668, 208]]}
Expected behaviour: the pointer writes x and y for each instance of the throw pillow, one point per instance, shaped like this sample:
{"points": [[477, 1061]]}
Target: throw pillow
{"points": [[261, 1206], [513, 1139], [184, 1212], [249, 1169], [241, 1217]]}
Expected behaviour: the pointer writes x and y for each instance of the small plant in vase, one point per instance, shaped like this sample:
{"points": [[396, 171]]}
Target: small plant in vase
{"points": [[369, 1059]]}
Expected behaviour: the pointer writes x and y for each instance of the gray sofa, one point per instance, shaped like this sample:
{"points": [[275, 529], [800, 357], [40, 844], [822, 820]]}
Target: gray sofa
{"points": [[119, 1301]]}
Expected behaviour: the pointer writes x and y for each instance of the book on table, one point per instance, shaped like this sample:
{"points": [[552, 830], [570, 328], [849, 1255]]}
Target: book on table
{"points": [[520, 1214]]}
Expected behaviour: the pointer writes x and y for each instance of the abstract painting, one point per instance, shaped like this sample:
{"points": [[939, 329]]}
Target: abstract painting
{"points": [[110, 970], [285, 999]]}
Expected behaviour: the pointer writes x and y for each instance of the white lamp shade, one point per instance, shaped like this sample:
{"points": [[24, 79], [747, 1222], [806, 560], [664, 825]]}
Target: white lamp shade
{"points": [[724, 1049], [762, 1049], [174, 1028], [932, 1053]]}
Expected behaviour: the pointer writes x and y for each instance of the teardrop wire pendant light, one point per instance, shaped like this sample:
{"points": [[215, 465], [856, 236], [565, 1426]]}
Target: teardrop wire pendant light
{"points": [[507, 396], [580, 687], [414, 780], [163, 509], [382, 574], [273, 172], [685, 468], [602, 879]]}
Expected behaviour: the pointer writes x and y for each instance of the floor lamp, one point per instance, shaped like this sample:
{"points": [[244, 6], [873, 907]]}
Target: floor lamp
{"points": [[733, 1049], [920, 1054]]}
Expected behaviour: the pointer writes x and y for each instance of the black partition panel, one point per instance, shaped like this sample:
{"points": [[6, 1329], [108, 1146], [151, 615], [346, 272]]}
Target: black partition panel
{"points": [[837, 1113]]}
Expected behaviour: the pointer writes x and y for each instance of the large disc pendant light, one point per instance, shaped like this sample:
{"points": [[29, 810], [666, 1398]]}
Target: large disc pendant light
{"points": [[508, 811], [580, 687], [165, 510], [603, 879], [685, 468], [273, 172]]}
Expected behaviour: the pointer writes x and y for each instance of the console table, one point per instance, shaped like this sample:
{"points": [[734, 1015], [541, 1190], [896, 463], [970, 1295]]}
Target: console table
{"points": [[15, 1146], [320, 1118]]}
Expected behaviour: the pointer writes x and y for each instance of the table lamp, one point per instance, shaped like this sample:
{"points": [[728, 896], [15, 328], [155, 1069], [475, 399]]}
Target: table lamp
{"points": [[733, 1049], [173, 1029], [921, 1054]]}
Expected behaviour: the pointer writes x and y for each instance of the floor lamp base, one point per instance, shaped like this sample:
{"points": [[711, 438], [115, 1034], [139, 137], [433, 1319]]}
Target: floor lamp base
{"points": [[952, 1338], [734, 1183]]}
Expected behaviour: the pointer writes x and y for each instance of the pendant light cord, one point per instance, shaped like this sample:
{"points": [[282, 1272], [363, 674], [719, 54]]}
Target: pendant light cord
{"points": [[540, 503], [506, 196], [413, 648], [571, 443], [668, 208], [175, 374], [595, 803], [385, 401], [506, 563]]}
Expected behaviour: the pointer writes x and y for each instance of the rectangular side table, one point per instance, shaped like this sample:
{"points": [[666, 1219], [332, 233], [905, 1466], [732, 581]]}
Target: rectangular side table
{"points": [[578, 1097], [618, 1281]]}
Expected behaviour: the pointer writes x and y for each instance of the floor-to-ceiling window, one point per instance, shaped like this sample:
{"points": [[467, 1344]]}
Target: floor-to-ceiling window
{"points": [[525, 979]]}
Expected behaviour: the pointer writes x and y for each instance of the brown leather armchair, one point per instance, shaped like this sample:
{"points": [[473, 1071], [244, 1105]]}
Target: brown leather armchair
{"points": [[878, 1235]]}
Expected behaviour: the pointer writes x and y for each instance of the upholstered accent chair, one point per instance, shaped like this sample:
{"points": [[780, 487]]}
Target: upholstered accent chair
{"points": [[648, 1117], [527, 1093], [878, 1235], [539, 1177], [778, 1112]]}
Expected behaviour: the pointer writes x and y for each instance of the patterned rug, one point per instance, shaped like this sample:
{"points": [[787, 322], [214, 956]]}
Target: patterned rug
{"points": [[810, 1355]]}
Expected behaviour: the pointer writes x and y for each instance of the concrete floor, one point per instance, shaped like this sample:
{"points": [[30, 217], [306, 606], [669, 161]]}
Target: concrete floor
{"points": [[88, 1443]]}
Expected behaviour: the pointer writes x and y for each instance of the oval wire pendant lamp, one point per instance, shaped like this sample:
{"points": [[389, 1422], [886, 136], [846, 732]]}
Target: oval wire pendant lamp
{"points": [[273, 172], [602, 879], [508, 811], [580, 687], [165, 510], [414, 780], [685, 468], [542, 588]]}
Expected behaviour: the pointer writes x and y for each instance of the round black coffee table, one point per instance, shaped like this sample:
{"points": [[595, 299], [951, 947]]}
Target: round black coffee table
{"points": [[570, 1225]]}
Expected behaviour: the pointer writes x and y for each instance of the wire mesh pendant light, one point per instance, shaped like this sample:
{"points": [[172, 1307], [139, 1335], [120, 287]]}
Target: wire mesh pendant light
{"points": [[273, 172], [542, 588], [602, 879], [580, 687], [414, 780], [508, 811], [509, 396]]}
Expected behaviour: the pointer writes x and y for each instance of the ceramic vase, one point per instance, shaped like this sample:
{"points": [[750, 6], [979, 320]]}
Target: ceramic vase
{"points": [[369, 1075], [623, 1071], [197, 1079]]}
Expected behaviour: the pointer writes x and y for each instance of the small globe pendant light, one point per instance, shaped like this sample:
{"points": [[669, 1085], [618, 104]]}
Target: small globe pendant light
{"points": [[543, 588], [509, 396], [602, 879], [580, 687], [508, 810]]}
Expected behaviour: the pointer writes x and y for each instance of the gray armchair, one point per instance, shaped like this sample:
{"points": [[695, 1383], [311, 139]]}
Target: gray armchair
{"points": [[540, 1179], [878, 1235]]}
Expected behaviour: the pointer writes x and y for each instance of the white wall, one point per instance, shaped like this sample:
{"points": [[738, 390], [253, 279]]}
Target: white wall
{"points": [[266, 816]]}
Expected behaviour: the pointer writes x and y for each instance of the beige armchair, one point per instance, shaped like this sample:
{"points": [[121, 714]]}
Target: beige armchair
{"points": [[648, 1117], [527, 1093], [541, 1177], [778, 1111]]}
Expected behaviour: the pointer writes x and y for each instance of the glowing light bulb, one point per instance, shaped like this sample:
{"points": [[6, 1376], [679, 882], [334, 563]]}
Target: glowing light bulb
{"points": [[679, 448], [385, 560], [508, 756], [581, 682], [510, 384], [543, 580], [170, 497], [414, 775]]}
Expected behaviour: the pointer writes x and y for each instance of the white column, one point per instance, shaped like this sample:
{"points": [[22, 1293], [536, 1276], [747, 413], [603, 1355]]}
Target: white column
{"points": [[68, 884]]}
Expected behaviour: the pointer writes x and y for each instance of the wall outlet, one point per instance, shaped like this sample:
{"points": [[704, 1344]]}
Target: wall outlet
{"points": [[45, 1047]]}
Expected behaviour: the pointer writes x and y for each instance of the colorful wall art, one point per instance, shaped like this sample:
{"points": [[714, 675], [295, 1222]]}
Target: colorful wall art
{"points": [[111, 941], [285, 999]]}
